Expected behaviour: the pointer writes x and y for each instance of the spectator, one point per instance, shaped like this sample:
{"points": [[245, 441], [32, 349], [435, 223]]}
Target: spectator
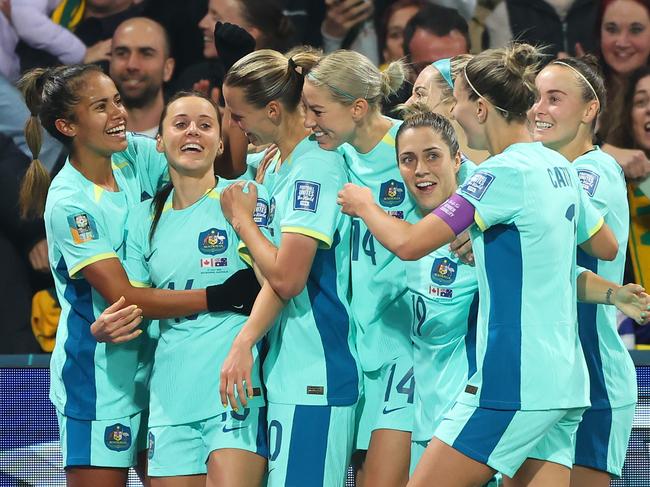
{"points": [[624, 47], [140, 65], [33, 25], [435, 33], [23, 256], [102, 17], [391, 30], [565, 26], [348, 25], [636, 135]]}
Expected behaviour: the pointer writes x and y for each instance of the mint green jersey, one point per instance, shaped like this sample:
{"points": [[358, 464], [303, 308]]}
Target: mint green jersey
{"points": [[611, 370], [530, 213], [86, 224], [312, 358], [192, 248], [444, 297], [380, 303]]}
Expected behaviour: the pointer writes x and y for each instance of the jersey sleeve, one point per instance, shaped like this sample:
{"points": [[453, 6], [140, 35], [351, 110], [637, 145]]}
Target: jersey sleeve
{"points": [[594, 183], [312, 208], [496, 192], [137, 246], [150, 165], [590, 219], [80, 234]]}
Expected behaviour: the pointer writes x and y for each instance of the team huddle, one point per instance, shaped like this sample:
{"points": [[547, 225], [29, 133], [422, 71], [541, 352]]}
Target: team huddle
{"points": [[276, 329]]}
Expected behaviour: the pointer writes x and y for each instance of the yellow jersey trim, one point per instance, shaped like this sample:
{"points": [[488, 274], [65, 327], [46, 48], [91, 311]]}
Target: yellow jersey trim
{"points": [[91, 260], [324, 241]]}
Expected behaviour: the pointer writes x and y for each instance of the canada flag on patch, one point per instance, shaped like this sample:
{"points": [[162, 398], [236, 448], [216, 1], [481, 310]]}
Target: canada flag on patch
{"points": [[214, 262], [441, 292]]}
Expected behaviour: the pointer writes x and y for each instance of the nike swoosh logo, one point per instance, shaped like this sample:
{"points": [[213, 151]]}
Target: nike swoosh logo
{"points": [[147, 258], [241, 306], [388, 411], [228, 430]]}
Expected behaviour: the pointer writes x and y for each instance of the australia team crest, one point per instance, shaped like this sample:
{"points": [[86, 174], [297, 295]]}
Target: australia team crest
{"points": [[117, 437], [391, 193], [213, 241], [444, 271]]}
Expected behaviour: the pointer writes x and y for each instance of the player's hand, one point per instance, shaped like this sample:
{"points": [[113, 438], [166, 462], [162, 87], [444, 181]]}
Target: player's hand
{"points": [[462, 247], [342, 15], [236, 375], [353, 199], [270, 153], [118, 323], [236, 204], [38, 256], [632, 300]]}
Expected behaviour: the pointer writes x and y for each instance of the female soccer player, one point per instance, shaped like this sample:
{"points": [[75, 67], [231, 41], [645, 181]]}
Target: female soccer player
{"points": [[342, 97], [98, 389], [519, 410], [182, 240], [572, 94], [311, 371]]}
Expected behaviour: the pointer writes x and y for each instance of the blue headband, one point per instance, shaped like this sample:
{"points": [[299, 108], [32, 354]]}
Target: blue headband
{"points": [[444, 68]]}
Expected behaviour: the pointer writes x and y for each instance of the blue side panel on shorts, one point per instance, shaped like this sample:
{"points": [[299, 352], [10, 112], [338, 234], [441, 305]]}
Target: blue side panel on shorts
{"points": [[592, 439], [306, 456], [79, 379], [502, 361], [588, 332], [78, 444], [333, 323], [470, 337], [262, 439], [482, 433]]}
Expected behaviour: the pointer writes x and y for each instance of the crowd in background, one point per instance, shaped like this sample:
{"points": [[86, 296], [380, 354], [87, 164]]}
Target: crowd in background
{"points": [[153, 48]]}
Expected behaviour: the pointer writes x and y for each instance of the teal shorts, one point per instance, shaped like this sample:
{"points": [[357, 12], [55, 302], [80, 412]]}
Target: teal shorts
{"points": [[309, 445], [504, 439], [102, 443], [184, 449], [387, 401], [602, 438]]}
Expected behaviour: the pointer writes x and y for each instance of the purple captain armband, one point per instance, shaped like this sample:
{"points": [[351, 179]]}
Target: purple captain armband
{"points": [[456, 212]]}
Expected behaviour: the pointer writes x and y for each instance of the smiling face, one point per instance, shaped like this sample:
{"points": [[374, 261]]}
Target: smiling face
{"points": [[560, 111], [426, 90], [99, 123], [427, 167], [331, 122], [625, 35], [221, 11], [253, 121], [641, 114], [190, 135]]}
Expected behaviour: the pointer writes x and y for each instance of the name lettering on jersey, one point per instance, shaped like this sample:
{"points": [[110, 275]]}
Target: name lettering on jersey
{"points": [[560, 177], [589, 180], [441, 292], [211, 262], [391, 193], [444, 271], [306, 195], [316, 390], [82, 228], [477, 185], [117, 437], [399, 214], [213, 241], [261, 213]]}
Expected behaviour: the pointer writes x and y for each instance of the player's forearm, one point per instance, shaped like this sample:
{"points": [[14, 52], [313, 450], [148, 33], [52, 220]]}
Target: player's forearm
{"points": [[266, 309], [391, 232], [263, 252], [165, 303], [594, 289]]}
